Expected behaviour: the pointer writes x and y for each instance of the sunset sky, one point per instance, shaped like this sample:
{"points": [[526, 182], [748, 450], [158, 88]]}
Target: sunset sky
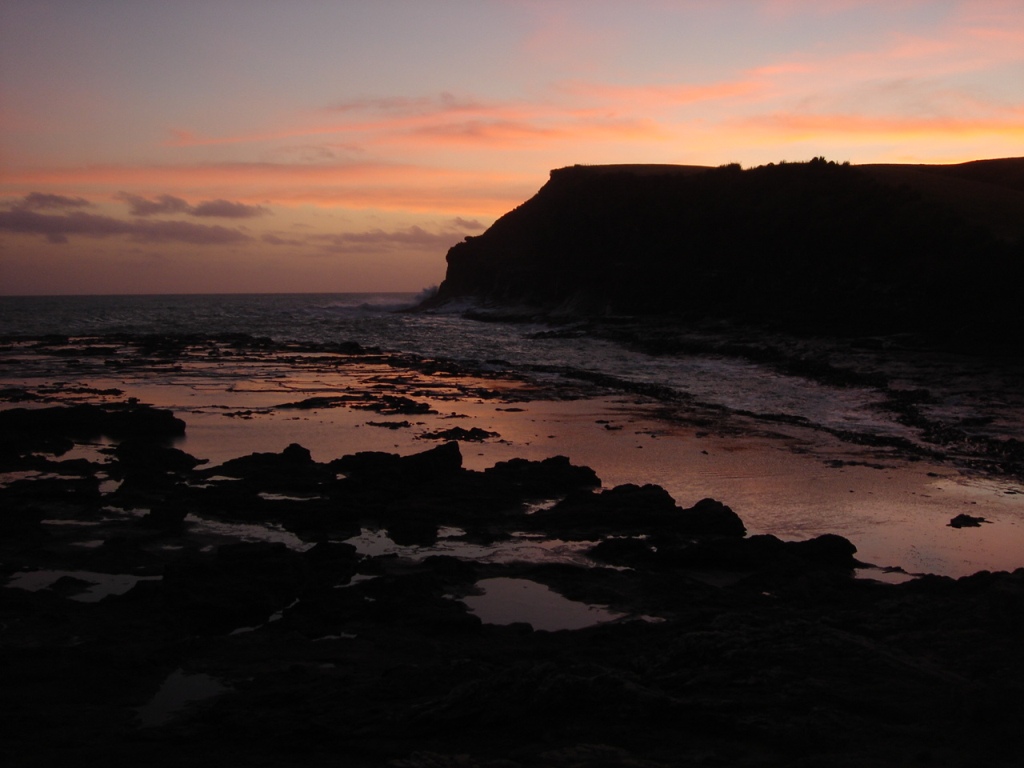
{"points": [[300, 145]]}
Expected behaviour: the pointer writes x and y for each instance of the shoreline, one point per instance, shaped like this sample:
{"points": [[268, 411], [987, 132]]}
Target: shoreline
{"points": [[353, 596], [786, 477]]}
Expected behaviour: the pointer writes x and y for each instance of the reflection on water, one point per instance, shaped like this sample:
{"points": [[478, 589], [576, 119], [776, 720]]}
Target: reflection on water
{"points": [[248, 532], [178, 690], [510, 601], [884, 575], [794, 455], [100, 584], [521, 548]]}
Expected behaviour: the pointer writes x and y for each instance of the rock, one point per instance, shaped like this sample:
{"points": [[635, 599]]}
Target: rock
{"points": [[167, 519], [397, 405], [17, 449], [327, 401], [622, 551], [141, 456], [293, 469], [22, 523], [377, 468], [710, 517], [966, 521], [118, 421], [120, 554], [445, 459], [420, 533], [81, 491], [767, 553], [624, 506], [474, 435], [332, 562], [551, 478], [632, 509], [828, 550], [69, 586], [242, 585]]}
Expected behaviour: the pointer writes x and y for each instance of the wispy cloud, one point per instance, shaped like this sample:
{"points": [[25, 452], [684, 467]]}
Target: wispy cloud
{"points": [[381, 185], [164, 204], [39, 201], [169, 204], [443, 102], [379, 240], [271, 239], [376, 240], [226, 209], [570, 114], [57, 228], [469, 225]]}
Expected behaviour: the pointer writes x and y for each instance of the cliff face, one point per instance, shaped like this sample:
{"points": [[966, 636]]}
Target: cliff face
{"points": [[810, 246]]}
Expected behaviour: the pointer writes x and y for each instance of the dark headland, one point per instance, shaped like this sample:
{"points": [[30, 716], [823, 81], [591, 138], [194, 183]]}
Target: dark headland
{"points": [[805, 247]]}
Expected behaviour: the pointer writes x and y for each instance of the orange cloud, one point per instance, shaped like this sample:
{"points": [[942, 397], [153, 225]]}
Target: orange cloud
{"points": [[577, 112], [363, 116]]}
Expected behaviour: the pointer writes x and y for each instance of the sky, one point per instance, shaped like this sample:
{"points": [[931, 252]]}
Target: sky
{"points": [[253, 146]]}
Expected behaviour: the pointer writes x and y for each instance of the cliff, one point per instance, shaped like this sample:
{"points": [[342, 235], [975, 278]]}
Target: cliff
{"points": [[811, 246]]}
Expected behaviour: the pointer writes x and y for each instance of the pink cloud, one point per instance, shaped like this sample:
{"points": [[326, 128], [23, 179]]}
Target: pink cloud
{"points": [[593, 112]]}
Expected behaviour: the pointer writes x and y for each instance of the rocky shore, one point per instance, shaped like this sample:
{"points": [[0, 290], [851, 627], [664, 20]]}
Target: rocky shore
{"points": [[139, 625], [811, 248]]}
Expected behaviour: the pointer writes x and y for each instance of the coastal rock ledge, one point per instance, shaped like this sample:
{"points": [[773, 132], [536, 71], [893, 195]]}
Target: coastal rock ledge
{"points": [[815, 246]]}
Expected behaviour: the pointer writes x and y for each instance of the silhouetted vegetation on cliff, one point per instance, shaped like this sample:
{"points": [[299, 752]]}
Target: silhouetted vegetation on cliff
{"points": [[812, 246]]}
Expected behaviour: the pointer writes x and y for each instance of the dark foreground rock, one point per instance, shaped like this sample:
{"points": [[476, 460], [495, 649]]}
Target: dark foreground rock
{"points": [[118, 421], [966, 521], [637, 510], [307, 651]]}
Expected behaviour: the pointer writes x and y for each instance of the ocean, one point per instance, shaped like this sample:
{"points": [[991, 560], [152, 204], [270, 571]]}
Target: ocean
{"points": [[869, 438]]}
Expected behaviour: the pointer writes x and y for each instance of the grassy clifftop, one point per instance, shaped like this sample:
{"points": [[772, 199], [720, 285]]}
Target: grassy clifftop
{"points": [[806, 246]]}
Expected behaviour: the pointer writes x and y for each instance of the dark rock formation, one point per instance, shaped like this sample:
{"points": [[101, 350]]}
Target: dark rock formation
{"points": [[805, 246], [127, 420], [767, 553], [328, 654], [473, 435], [292, 469], [636, 510], [966, 521], [547, 479], [373, 469]]}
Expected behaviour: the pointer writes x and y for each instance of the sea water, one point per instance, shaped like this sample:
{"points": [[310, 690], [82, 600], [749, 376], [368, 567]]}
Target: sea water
{"points": [[959, 388]]}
